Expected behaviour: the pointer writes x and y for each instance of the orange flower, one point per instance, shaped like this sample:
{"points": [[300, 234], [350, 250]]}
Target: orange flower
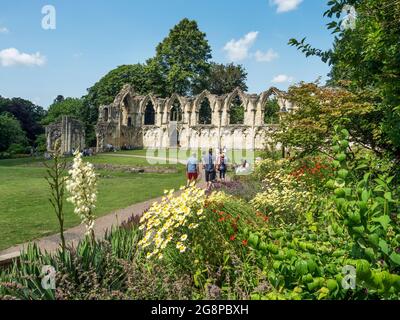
{"points": [[244, 242], [232, 238]]}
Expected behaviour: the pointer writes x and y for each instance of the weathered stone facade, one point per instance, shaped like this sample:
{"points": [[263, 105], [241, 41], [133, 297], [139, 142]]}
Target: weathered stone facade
{"points": [[70, 131], [137, 121]]}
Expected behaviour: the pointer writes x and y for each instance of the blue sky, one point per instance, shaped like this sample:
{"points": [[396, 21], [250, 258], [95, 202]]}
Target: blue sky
{"points": [[93, 37]]}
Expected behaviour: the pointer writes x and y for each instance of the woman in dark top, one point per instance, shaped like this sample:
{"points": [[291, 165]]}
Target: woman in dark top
{"points": [[222, 167]]}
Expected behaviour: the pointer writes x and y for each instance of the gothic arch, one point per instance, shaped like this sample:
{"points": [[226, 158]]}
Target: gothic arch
{"points": [[266, 94], [171, 101], [236, 107], [127, 89], [199, 99], [175, 108], [149, 114], [236, 93], [146, 100], [204, 108]]}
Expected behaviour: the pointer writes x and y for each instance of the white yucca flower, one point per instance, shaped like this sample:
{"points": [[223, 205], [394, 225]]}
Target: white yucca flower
{"points": [[82, 186]]}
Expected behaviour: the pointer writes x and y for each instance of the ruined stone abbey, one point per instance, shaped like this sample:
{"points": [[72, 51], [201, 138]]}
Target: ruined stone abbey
{"points": [[202, 121]]}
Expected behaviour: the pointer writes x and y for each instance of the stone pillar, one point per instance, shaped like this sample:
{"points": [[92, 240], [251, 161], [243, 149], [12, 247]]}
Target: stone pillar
{"points": [[259, 116], [225, 114], [251, 111]]}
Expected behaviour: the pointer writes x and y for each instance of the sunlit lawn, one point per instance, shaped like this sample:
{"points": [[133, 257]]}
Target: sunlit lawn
{"points": [[26, 214]]}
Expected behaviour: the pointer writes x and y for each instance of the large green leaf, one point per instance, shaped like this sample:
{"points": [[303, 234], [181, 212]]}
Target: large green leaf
{"points": [[395, 257], [384, 246], [383, 220]]}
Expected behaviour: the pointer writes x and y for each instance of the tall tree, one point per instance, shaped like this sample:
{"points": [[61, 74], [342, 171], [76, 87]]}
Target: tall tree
{"points": [[105, 90], [182, 58], [66, 107], [223, 78], [366, 56]]}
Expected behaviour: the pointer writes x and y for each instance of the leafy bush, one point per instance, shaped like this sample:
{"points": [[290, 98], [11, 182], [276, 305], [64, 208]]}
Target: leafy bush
{"points": [[17, 148]]}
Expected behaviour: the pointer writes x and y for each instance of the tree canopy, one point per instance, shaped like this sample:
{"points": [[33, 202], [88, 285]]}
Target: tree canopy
{"points": [[223, 78], [181, 65], [64, 107], [27, 113], [10, 132], [105, 90], [367, 57], [183, 58]]}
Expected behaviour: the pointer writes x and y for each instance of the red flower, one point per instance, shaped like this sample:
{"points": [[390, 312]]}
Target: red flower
{"points": [[244, 242], [221, 219], [232, 238]]}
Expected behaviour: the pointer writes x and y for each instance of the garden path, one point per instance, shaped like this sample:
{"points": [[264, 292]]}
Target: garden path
{"points": [[75, 234]]}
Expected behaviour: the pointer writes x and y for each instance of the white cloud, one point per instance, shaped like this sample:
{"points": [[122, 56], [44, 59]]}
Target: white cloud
{"points": [[239, 49], [266, 56], [12, 57], [4, 30], [285, 5], [282, 78]]}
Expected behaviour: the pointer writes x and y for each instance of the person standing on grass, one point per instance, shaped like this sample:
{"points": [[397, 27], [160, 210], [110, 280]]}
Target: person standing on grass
{"points": [[209, 168], [222, 167], [192, 169]]}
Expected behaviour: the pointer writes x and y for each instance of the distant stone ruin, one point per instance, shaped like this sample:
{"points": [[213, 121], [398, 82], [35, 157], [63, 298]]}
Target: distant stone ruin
{"points": [[70, 131], [202, 121]]}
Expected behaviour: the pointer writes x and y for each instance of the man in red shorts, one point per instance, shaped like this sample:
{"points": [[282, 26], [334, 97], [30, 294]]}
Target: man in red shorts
{"points": [[192, 169]]}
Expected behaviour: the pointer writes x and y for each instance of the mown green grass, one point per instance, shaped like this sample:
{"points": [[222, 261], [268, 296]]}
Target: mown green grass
{"points": [[26, 214]]}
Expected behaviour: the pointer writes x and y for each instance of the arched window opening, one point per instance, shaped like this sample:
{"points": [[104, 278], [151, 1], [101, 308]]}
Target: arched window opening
{"points": [[271, 110], [176, 112], [236, 111], [106, 114], [129, 122], [149, 114], [205, 112]]}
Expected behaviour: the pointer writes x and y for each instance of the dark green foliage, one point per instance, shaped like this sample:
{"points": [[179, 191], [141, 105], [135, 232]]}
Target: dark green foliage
{"points": [[105, 90], [236, 111], [223, 79], [11, 132], [28, 114], [183, 58], [205, 112], [271, 115], [65, 107]]}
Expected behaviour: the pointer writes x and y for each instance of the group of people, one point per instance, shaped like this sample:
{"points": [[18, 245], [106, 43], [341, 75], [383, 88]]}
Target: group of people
{"points": [[210, 164]]}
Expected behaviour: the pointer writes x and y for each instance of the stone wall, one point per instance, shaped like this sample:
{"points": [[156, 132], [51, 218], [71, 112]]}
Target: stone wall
{"points": [[135, 121], [70, 131]]}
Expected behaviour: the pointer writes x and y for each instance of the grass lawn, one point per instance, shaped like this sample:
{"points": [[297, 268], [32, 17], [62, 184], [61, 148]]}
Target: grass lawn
{"points": [[26, 214]]}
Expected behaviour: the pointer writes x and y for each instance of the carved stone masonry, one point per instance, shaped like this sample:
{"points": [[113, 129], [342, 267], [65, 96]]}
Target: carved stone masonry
{"points": [[70, 131], [135, 121]]}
